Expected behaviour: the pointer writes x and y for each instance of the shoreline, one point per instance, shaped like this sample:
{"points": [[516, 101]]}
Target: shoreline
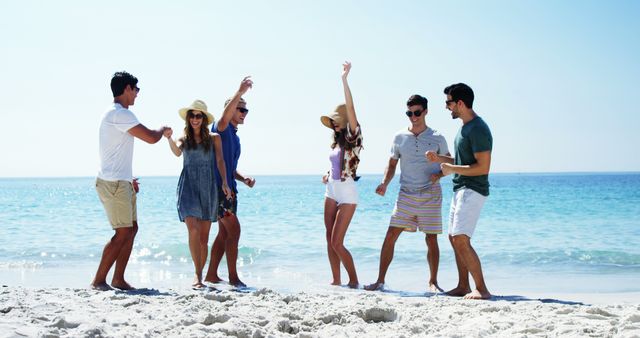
{"points": [[155, 277], [264, 312]]}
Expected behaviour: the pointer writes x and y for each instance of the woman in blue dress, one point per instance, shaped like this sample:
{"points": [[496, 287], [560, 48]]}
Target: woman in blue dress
{"points": [[197, 189]]}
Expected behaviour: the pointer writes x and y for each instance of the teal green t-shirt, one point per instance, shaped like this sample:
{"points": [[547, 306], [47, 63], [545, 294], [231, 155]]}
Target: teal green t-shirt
{"points": [[473, 137]]}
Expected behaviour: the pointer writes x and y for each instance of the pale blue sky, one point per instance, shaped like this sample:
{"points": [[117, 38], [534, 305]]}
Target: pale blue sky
{"points": [[555, 80]]}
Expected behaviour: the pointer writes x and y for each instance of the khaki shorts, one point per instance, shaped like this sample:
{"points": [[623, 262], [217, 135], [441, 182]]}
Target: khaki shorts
{"points": [[119, 201]]}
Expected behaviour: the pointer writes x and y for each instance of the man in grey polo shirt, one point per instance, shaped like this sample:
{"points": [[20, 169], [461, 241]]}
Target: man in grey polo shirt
{"points": [[419, 202]]}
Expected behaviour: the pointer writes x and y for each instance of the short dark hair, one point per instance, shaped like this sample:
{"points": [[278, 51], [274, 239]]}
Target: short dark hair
{"points": [[120, 81], [460, 91], [417, 99]]}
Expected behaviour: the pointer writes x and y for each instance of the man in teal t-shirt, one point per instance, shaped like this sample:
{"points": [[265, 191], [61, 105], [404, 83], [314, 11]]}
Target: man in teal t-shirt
{"points": [[470, 185], [474, 137]]}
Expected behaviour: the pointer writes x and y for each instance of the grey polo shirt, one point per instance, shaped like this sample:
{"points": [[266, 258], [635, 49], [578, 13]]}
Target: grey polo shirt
{"points": [[410, 149]]}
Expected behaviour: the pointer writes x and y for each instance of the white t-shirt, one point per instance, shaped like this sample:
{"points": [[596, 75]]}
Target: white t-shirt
{"points": [[116, 144]]}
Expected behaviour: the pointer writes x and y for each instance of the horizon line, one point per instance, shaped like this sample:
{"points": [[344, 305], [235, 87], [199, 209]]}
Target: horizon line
{"points": [[365, 174]]}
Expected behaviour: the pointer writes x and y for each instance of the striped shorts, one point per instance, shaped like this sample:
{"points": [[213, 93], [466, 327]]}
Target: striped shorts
{"points": [[419, 210]]}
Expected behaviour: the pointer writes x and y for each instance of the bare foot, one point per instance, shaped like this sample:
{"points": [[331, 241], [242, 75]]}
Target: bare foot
{"points": [[435, 288], [377, 286], [197, 282], [238, 283], [215, 279], [475, 294], [353, 285], [336, 283], [122, 285], [101, 286], [198, 285], [458, 292]]}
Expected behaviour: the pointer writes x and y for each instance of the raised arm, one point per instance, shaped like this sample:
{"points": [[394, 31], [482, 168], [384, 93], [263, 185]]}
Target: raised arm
{"points": [[222, 168], [230, 109], [175, 148], [146, 134], [351, 111], [389, 172]]}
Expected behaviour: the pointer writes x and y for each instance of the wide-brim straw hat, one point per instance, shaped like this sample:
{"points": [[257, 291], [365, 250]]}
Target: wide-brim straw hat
{"points": [[196, 105], [338, 116]]}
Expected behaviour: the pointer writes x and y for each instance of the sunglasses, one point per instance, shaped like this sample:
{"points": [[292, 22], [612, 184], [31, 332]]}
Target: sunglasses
{"points": [[196, 116], [243, 110], [416, 113], [449, 101]]}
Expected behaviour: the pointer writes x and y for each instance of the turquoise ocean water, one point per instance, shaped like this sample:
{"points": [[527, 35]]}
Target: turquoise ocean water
{"points": [[538, 233]]}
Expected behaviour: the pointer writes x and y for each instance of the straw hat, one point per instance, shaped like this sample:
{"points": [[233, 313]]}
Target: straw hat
{"points": [[338, 116], [196, 105]]}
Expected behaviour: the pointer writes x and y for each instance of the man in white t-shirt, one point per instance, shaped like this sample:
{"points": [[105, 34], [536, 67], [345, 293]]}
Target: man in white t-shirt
{"points": [[115, 184]]}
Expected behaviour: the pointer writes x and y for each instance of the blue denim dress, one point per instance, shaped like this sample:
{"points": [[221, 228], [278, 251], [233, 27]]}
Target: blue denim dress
{"points": [[197, 189]]}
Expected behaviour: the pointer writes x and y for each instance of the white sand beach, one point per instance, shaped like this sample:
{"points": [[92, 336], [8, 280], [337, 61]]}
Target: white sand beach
{"points": [[51, 312]]}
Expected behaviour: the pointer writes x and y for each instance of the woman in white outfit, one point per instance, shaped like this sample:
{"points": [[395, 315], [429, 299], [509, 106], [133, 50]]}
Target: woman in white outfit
{"points": [[341, 196]]}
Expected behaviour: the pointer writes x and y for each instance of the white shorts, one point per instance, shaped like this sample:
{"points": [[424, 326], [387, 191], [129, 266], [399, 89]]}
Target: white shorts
{"points": [[466, 205], [343, 192]]}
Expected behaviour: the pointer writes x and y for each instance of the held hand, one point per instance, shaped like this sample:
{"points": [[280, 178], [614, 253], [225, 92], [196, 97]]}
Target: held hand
{"points": [[136, 185], [245, 85], [432, 156], [325, 179], [381, 189], [346, 67], [249, 181], [228, 193], [446, 169], [434, 178], [168, 132]]}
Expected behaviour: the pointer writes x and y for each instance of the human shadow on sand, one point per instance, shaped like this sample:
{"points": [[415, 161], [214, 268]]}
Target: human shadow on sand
{"points": [[143, 292], [218, 287], [494, 298], [244, 289], [401, 293], [516, 298]]}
